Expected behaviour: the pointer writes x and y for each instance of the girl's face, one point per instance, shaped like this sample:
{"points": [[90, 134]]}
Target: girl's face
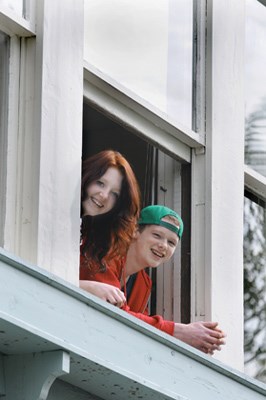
{"points": [[103, 193]]}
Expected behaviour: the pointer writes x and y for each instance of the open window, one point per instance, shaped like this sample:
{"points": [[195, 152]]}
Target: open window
{"points": [[139, 102], [163, 180]]}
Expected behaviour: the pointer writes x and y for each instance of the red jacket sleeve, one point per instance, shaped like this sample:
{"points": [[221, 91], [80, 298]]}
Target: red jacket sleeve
{"points": [[156, 320], [140, 295]]}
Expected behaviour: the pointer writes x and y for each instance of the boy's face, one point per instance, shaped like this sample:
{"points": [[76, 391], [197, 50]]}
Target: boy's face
{"points": [[155, 245]]}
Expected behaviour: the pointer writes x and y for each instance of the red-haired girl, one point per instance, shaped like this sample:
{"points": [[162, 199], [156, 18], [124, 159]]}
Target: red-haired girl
{"points": [[110, 205]]}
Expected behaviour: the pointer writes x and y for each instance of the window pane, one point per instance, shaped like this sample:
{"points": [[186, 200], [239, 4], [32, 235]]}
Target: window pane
{"points": [[145, 45], [4, 62], [255, 289], [255, 97]]}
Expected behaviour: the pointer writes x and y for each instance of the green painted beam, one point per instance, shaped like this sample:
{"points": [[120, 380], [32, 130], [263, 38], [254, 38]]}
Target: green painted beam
{"points": [[112, 353]]}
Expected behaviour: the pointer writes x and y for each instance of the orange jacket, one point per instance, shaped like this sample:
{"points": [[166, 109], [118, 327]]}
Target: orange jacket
{"points": [[140, 293], [139, 296]]}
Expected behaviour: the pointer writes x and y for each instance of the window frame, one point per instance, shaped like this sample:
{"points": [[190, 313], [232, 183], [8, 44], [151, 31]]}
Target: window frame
{"points": [[122, 105], [5, 54], [255, 182], [14, 23]]}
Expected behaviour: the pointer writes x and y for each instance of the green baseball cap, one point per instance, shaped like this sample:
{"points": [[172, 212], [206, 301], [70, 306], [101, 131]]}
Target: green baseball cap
{"points": [[152, 215]]}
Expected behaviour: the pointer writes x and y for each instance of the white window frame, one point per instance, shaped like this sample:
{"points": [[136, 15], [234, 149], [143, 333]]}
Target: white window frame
{"points": [[4, 71], [12, 22], [15, 26], [255, 182], [34, 110], [123, 105], [218, 182]]}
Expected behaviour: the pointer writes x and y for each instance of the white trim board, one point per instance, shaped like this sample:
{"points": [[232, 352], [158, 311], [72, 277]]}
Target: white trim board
{"points": [[13, 24], [255, 182]]}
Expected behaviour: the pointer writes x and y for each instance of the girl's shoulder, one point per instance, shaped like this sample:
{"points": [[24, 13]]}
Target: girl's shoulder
{"points": [[117, 265]]}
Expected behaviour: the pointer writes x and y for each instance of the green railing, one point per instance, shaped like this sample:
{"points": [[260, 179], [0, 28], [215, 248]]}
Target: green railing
{"points": [[57, 342]]}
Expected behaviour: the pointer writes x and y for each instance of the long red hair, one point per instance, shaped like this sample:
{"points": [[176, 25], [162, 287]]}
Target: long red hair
{"points": [[109, 235]]}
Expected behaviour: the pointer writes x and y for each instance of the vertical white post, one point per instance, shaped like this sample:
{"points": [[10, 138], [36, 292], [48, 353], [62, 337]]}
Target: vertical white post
{"points": [[218, 179], [225, 173], [59, 121]]}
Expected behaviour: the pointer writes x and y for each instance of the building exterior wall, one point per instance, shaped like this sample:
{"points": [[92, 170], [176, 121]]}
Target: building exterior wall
{"points": [[49, 51]]}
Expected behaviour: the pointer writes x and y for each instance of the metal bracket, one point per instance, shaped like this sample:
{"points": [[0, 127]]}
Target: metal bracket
{"points": [[30, 376]]}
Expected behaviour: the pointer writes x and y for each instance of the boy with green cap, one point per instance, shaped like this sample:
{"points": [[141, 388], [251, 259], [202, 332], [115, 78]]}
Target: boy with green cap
{"points": [[127, 285]]}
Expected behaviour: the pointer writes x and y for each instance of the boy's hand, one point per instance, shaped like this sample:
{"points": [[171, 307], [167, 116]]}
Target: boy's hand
{"points": [[204, 336]]}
